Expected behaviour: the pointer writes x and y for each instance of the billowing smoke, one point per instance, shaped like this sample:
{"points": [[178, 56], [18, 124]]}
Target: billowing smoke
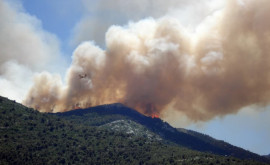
{"points": [[189, 12], [23, 45], [154, 64]]}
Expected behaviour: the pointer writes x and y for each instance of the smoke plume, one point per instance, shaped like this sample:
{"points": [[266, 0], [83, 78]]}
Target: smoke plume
{"points": [[153, 64], [25, 48]]}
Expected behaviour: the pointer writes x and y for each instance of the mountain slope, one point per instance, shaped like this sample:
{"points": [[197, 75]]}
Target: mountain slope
{"points": [[131, 128], [30, 137], [191, 140]]}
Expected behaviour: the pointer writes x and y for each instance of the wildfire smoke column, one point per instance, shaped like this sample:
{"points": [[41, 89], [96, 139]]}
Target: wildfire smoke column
{"points": [[154, 64]]}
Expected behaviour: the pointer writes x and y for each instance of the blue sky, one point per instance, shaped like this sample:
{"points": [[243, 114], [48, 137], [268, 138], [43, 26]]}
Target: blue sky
{"points": [[58, 17], [71, 22], [247, 129]]}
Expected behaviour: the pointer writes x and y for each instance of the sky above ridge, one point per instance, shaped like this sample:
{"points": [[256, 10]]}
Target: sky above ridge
{"points": [[47, 44]]}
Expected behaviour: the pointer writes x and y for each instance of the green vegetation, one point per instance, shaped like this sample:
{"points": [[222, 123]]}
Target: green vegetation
{"points": [[111, 113], [30, 137]]}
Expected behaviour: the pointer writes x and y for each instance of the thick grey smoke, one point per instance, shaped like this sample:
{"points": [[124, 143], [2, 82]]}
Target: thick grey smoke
{"points": [[153, 64]]}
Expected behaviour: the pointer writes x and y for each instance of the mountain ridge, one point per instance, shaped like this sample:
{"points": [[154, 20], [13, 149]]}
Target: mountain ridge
{"points": [[187, 138], [267, 156], [28, 136]]}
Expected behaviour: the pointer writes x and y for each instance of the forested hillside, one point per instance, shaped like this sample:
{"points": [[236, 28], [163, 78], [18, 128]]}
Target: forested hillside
{"points": [[99, 115], [30, 137]]}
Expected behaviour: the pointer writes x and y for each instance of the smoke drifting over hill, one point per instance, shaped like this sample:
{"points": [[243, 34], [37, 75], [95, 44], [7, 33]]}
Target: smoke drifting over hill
{"points": [[221, 67]]}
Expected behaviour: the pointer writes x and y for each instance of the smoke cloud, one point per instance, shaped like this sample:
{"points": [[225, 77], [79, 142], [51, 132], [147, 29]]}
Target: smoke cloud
{"points": [[155, 64], [94, 26], [23, 45]]}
